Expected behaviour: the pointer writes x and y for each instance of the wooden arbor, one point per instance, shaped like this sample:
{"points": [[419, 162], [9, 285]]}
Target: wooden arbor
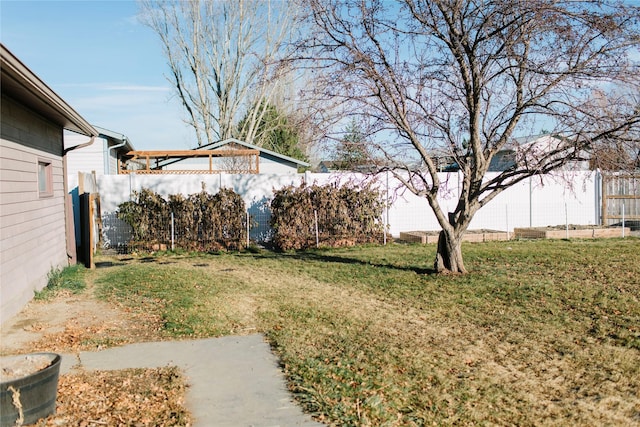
{"points": [[158, 161]]}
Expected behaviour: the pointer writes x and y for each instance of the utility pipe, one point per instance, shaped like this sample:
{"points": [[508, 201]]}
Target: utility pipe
{"points": [[108, 160]]}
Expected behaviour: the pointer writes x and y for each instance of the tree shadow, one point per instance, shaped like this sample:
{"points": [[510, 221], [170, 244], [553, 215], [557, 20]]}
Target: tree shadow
{"points": [[315, 256]]}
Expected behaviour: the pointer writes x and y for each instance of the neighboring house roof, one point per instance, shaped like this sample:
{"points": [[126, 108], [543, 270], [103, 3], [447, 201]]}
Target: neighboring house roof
{"points": [[216, 145], [529, 148], [20, 83], [122, 141], [262, 152], [529, 139], [329, 166], [326, 166]]}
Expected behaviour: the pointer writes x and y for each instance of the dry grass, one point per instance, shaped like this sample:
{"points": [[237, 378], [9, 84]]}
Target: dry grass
{"points": [[540, 333]]}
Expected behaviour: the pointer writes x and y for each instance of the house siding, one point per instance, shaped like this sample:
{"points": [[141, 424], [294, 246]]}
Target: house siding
{"points": [[271, 165], [32, 227], [86, 159], [113, 162], [267, 165]]}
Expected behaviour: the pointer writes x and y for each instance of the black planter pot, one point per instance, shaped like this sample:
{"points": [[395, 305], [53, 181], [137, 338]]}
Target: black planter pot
{"points": [[37, 393]]}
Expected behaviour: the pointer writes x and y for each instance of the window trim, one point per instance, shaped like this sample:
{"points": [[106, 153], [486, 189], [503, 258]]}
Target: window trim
{"points": [[45, 171]]}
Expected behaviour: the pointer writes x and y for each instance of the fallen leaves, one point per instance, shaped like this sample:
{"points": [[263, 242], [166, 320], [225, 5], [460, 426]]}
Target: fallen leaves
{"points": [[129, 397], [81, 334]]}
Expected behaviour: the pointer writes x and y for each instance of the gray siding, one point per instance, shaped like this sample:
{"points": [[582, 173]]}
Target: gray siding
{"points": [[32, 227]]}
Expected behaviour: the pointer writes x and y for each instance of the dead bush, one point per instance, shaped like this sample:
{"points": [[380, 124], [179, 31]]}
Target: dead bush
{"points": [[202, 221], [346, 215]]}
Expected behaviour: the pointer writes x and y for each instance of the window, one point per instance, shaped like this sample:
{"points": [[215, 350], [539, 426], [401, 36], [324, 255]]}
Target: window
{"points": [[45, 178]]}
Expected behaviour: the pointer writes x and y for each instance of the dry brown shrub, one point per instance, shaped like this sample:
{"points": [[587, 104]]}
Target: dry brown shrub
{"points": [[202, 221], [346, 216]]}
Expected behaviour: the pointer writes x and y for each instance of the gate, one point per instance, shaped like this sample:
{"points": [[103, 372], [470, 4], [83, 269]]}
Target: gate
{"points": [[90, 220], [620, 198]]}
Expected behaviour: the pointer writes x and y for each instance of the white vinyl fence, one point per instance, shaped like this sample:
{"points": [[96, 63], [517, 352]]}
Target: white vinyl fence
{"points": [[548, 201]]}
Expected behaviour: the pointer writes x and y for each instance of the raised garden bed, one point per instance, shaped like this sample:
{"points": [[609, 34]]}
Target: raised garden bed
{"points": [[425, 237], [573, 232]]}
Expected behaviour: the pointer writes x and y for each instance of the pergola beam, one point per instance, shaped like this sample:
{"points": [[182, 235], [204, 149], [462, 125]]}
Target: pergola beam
{"points": [[147, 155]]}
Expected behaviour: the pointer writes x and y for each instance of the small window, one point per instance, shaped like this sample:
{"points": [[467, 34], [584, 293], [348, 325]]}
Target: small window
{"points": [[45, 178]]}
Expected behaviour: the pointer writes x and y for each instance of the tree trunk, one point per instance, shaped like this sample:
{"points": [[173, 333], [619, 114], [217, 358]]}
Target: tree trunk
{"points": [[449, 254]]}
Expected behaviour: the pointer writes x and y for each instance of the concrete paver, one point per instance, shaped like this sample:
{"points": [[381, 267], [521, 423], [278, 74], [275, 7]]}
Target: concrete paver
{"points": [[233, 381]]}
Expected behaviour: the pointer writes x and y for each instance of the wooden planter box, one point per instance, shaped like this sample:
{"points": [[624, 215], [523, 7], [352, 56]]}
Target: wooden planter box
{"points": [[557, 233], [425, 237], [418, 237]]}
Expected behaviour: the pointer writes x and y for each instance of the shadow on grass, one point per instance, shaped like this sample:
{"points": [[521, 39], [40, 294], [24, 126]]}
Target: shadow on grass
{"points": [[106, 264], [310, 255], [319, 257]]}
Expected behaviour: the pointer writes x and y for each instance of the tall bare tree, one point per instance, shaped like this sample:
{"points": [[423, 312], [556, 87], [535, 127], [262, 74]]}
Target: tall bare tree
{"points": [[225, 59], [462, 77]]}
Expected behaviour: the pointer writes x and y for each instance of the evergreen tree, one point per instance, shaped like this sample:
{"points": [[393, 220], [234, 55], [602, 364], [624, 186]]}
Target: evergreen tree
{"points": [[274, 132], [352, 151]]}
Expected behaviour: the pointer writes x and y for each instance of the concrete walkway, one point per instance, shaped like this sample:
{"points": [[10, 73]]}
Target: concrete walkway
{"points": [[233, 381]]}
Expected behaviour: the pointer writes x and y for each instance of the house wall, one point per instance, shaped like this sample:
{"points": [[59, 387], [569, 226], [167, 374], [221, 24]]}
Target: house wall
{"points": [[113, 162], [32, 227], [268, 165], [86, 159]]}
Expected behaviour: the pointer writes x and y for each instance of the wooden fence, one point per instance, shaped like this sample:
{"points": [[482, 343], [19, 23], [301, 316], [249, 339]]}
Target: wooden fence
{"points": [[90, 217], [620, 198]]}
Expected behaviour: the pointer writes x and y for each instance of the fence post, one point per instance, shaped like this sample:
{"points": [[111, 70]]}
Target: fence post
{"points": [[130, 186], [248, 228], [386, 216], [566, 221], [173, 232], [623, 218], [315, 214], [506, 211], [604, 192], [530, 203]]}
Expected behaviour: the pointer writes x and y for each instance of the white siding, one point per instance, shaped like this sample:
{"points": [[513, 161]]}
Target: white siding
{"points": [[113, 162], [268, 166], [86, 159]]}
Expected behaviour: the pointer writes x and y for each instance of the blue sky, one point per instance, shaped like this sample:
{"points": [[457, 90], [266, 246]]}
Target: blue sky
{"points": [[108, 66]]}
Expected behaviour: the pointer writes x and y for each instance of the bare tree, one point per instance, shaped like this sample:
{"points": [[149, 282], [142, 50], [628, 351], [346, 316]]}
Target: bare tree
{"points": [[622, 152], [462, 77], [225, 59]]}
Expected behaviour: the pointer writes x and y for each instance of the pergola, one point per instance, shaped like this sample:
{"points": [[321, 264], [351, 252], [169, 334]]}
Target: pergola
{"points": [[146, 158]]}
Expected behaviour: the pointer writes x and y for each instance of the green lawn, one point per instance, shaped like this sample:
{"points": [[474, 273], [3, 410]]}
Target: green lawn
{"points": [[539, 333]]}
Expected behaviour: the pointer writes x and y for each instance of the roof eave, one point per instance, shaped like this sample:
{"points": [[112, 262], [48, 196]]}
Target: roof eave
{"points": [[117, 137], [20, 82]]}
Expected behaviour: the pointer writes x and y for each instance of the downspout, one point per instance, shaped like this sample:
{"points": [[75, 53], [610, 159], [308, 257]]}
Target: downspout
{"points": [[108, 160], [75, 147], [68, 205]]}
